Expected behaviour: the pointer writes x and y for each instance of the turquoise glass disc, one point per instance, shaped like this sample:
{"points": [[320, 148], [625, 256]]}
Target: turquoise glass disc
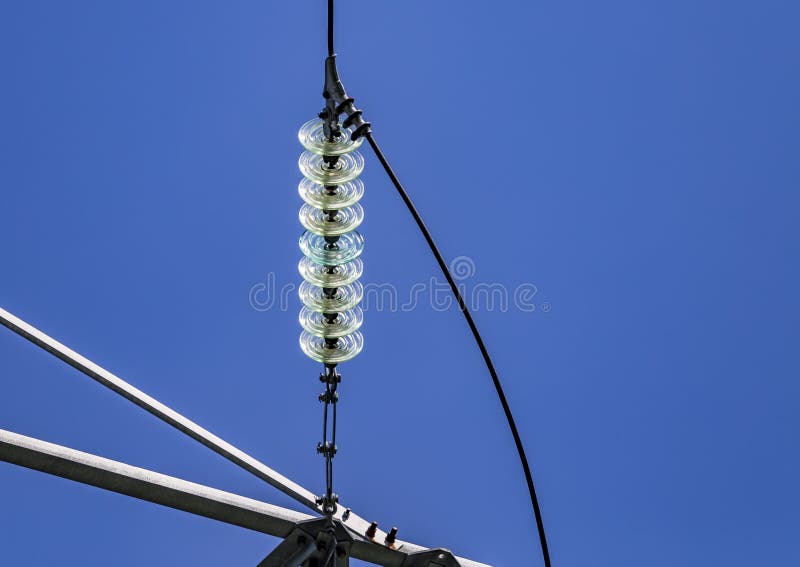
{"points": [[330, 276], [319, 325], [312, 136], [341, 196], [344, 298], [318, 349], [347, 168], [345, 220], [347, 248]]}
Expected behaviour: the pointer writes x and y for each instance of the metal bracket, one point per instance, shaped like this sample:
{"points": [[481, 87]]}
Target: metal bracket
{"points": [[320, 542], [431, 558]]}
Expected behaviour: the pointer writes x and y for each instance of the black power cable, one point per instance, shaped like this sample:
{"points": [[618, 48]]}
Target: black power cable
{"points": [[330, 27], [338, 99], [478, 339]]}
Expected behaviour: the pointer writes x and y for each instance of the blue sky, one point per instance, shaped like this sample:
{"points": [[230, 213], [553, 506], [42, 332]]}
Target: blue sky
{"points": [[633, 161]]}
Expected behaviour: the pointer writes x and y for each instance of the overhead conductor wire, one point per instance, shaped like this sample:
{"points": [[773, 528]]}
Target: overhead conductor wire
{"points": [[467, 315]]}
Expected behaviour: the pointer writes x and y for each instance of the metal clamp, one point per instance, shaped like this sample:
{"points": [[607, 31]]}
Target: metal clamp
{"points": [[336, 103]]}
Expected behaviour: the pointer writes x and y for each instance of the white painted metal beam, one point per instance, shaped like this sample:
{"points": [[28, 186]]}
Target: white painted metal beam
{"points": [[190, 497], [147, 485], [161, 411]]}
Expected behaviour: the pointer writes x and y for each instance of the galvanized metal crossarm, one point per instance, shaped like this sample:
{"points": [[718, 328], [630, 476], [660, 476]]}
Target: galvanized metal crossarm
{"points": [[202, 500], [161, 411]]}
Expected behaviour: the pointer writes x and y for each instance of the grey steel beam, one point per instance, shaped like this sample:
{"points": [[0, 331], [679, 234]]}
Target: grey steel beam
{"points": [[166, 414], [148, 485], [375, 552], [202, 500], [161, 411]]}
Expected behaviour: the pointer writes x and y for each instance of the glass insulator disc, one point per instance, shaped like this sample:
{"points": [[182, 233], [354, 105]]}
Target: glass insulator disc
{"points": [[348, 247], [319, 325], [347, 168], [338, 197], [342, 299], [320, 350], [318, 221], [312, 136], [330, 276]]}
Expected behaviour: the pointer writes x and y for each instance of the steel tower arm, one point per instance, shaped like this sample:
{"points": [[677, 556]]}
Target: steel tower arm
{"points": [[203, 500], [173, 418]]}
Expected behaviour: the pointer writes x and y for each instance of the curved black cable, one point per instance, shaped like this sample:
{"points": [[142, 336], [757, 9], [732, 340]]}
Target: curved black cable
{"points": [[330, 27], [478, 339], [467, 315]]}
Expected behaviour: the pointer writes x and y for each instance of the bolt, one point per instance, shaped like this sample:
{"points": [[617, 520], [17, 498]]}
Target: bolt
{"points": [[346, 515], [391, 536], [373, 527]]}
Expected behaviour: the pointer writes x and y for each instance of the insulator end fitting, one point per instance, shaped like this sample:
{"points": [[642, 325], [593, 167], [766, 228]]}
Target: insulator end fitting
{"points": [[337, 102], [328, 503]]}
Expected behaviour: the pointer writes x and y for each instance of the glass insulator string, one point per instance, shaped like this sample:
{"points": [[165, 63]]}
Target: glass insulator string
{"points": [[330, 267]]}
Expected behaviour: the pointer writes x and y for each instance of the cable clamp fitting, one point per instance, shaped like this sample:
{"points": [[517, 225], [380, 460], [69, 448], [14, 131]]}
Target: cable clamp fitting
{"points": [[326, 448], [336, 103], [329, 397], [330, 376]]}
